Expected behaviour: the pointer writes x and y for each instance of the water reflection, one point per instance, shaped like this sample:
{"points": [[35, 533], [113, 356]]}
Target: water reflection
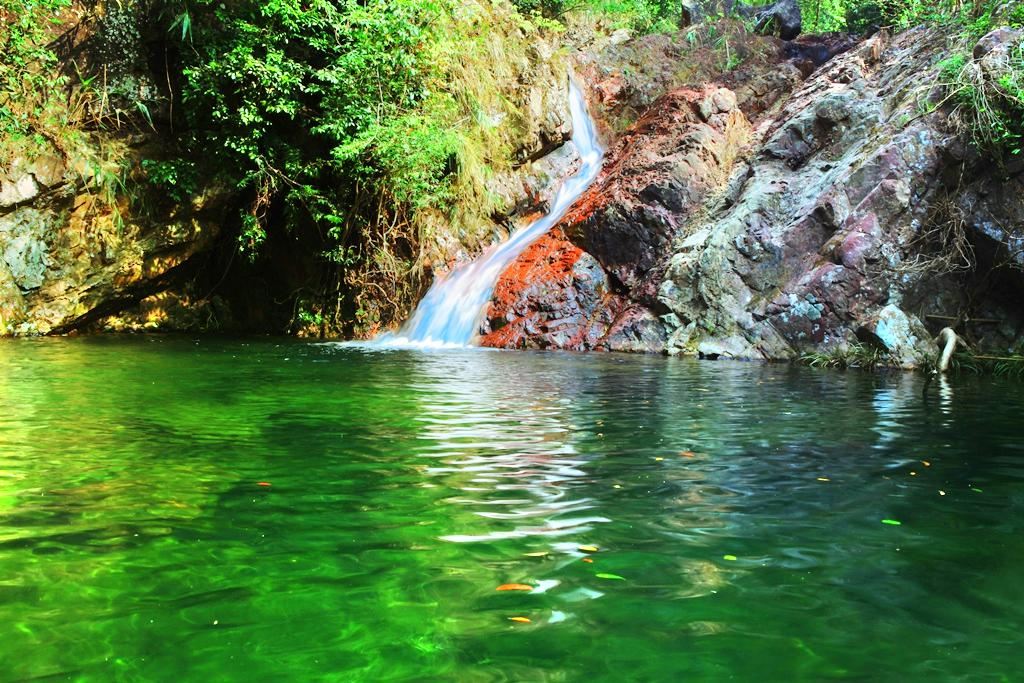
{"points": [[736, 508], [507, 443]]}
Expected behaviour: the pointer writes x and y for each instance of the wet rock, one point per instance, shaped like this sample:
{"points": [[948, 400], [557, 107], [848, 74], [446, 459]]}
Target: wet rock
{"points": [[817, 50], [636, 330], [622, 228], [902, 335], [554, 296]]}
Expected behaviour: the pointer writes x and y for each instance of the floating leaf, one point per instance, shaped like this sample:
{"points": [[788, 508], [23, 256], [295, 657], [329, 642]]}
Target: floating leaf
{"points": [[519, 620], [541, 553], [976, 489], [514, 587], [611, 577], [589, 548], [731, 558], [926, 463], [893, 522], [824, 479]]}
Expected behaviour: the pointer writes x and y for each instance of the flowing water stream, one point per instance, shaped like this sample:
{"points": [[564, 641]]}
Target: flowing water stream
{"points": [[452, 310], [215, 510]]}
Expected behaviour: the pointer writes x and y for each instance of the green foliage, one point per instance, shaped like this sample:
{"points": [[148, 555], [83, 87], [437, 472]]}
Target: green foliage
{"points": [[859, 16], [47, 105], [967, 363], [30, 92], [854, 356], [989, 107], [316, 102], [367, 124], [176, 178], [640, 15]]}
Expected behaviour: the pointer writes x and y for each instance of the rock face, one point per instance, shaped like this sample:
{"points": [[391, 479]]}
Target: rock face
{"points": [[709, 235], [67, 258], [599, 291]]}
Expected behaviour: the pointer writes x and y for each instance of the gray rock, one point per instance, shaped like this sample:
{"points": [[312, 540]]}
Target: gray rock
{"points": [[23, 241], [996, 45], [18, 190], [781, 18], [901, 334]]}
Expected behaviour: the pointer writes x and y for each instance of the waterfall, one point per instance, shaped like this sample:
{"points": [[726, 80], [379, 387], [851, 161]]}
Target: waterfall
{"points": [[453, 309]]}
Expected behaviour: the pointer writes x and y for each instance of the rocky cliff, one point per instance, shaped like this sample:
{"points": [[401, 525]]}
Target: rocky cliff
{"points": [[69, 256], [723, 227]]}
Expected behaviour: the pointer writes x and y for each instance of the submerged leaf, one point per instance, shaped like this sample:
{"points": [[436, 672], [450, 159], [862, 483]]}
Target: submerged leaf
{"points": [[893, 522], [731, 558], [612, 577]]}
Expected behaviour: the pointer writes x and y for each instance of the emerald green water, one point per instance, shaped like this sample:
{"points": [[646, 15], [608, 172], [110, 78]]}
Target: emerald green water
{"points": [[137, 544]]}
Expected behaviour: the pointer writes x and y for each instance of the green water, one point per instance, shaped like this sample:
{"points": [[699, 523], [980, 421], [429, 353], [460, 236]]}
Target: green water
{"points": [[138, 544]]}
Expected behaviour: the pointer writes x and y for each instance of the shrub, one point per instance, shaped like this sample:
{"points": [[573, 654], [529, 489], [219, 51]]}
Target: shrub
{"points": [[989, 107]]}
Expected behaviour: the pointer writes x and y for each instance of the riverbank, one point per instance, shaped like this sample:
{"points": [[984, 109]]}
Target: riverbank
{"points": [[761, 198]]}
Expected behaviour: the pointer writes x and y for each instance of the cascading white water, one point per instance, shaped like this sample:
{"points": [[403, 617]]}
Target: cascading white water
{"points": [[453, 309]]}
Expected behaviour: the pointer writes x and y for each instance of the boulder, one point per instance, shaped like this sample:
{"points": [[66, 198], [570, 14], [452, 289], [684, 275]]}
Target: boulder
{"points": [[996, 46], [781, 18], [902, 335]]}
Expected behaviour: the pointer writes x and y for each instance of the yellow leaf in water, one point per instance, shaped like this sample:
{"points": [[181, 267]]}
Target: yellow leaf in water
{"points": [[926, 463], [514, 587], [824, 479], [542, 553], [589, 548], [519, 620]]}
